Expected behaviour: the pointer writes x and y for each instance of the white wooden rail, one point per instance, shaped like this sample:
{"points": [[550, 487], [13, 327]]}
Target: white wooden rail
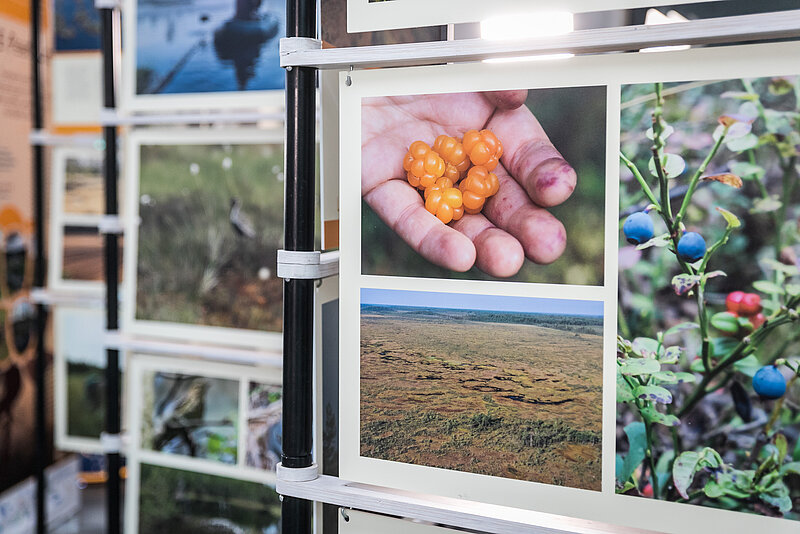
{"points": [[489, 518], [305, 52]]}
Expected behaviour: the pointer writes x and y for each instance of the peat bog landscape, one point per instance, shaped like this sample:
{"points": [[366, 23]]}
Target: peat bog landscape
{"points": [[508, 394]]}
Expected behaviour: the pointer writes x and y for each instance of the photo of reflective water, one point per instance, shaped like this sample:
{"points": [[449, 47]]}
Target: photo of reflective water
{"points": [[202, 46]]}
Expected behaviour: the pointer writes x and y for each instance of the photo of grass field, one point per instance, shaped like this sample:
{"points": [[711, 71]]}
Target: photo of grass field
{"points": [[83, 185], [502, 386], [173, 500], [191, 415], [80, 333], [211, 226]]}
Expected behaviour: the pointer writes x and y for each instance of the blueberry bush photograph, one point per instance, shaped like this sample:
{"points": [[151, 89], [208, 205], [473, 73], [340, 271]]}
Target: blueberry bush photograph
{"points": [[503, 386], [191, 415], [174, 500], [488, 186], [208, 46], [708, 347], [211, 226]]}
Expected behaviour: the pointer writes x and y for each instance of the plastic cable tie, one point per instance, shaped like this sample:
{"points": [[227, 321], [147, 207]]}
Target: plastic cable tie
{"points": [[111, 442], [298, 474], [107, 4], [110, 224]]}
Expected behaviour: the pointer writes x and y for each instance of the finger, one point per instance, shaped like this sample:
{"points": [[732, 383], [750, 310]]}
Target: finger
{"points": [[543, 237], [498, 253], [506, 99], [531, 158], [401, 207]]}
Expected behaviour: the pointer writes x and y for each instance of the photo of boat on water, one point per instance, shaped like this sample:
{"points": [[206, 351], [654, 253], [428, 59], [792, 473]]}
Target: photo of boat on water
{"points": [[208, 46]]}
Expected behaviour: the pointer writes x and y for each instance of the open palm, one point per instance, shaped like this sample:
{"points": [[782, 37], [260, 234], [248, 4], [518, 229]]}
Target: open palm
{"points": [[513, 224]]}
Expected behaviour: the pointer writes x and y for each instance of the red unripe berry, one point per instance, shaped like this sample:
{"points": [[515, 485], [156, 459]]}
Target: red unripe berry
{"points": [[734, 300], [750, 305], [758, 320], [648, 491]]}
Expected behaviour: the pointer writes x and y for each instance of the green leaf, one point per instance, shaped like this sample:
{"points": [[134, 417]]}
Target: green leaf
{"points": [[747, 170], [659, 241], [796, 452], [791, 468], [727, 484], [725, 322], [683, 470], [780, 86], [662, 468], [740, 144], [775, 265], [682, 327], [792, 289], [667, 130], [683, 283], [739, 95], [782, 446], [671, 355], [653, 394], [628, 486], [732, 220], [687, 464], [637, 445], [768, 287], [722, 346], [778, 496], [624, 391], [672, 164], [638, 367], [665, 377], [748, 366], [777, 122], [766, 205], [685, 377], [713, 274], [697, 366], [654, 416], [645, 347]]}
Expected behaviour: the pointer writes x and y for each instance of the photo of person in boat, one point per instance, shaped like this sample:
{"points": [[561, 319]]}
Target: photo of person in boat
{"points": [[200, 46]]}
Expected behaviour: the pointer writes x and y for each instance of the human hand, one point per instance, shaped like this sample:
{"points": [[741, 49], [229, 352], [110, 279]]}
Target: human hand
{"points": [[514, 223]]}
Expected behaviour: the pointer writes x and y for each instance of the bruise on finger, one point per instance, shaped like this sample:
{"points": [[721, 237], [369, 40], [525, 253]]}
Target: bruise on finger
{"points": [[542, 236], [530, 157]]}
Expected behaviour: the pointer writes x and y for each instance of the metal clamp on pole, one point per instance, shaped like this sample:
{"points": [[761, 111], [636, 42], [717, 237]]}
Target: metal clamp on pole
{"points": [[300, 265], [107, 4], [111, 443], [297, 474], [110, 224]]}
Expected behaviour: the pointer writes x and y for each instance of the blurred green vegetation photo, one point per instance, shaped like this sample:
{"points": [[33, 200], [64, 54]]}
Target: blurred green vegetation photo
{"points": [[211, 226]]}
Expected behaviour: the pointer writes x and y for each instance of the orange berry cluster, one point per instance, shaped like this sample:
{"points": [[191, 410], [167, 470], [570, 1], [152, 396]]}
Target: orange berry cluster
{"points": [[455, 175]]}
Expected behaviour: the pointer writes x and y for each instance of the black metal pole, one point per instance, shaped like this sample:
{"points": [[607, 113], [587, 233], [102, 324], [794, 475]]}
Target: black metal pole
{"points": [[110, 33], [43, 452], [298, 295]]}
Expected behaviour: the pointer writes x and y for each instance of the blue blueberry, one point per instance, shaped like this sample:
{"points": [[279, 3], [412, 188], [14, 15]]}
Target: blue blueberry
{"points": [[691, 247], [638, 228], [769, 382]]}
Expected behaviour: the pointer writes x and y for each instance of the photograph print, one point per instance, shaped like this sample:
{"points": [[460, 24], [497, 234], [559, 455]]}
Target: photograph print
{"points": [[485, 185], [708, 373], [174, 500], [509, 387], [83, 183], [79, 341], [191, 415], [211, 224], [206, 46], [264, 426]]}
